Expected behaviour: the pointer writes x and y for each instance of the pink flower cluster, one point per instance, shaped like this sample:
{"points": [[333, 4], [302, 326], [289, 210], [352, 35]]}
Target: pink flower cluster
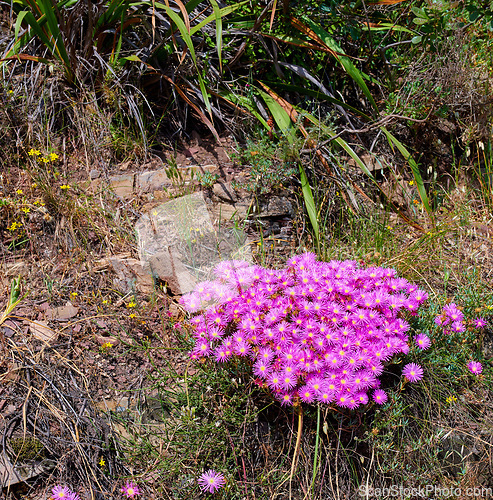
{"points": [[313, 331], [451, 319]]}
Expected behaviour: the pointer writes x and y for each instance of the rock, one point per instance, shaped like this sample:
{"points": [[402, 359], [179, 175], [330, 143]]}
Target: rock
{"points": [[224, 191], [131, 275], [94, 174], [123, 185], [227, 211], [149, 182], [276, 206], [42, 331], [62, 313], [371, 162], [168, 267]]}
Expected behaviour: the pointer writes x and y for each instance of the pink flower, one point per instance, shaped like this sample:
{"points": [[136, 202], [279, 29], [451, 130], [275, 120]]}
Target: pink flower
{"points": [[423, 341], [380, 397], [130, 490], [475, 367], [211, 481], [413, 372], [479, 322], [60, 491]]}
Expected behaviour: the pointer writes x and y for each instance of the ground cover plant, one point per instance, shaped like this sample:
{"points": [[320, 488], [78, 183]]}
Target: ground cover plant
{"points": [[316, 371]]}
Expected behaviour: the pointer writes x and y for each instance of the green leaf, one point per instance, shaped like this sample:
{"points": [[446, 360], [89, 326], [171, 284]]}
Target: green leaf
{"points": [[393, 141], [280, 116], [189, 43], [224, 12], [219, 32], [309, 203], [347, 64]]}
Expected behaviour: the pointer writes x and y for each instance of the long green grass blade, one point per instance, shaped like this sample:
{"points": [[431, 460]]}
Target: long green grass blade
{"points": [[224, 12], [318, 94], [309, 203], [284, 122], [280, 116], [347, 64], [219, 32], [189, 43], [393, 141]]}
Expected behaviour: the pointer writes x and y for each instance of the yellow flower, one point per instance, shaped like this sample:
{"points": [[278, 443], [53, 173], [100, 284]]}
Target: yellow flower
{"points": [[54, 156], [34, 152], [131, 304], [102, 463], [64, 187], [411, 183], [26, 210], [45, 160], [451, 399], [132, 316], [107, 345], [10, 92], [34, 185], [14, 226], [105, 301], [19, 191], [74, 294]]}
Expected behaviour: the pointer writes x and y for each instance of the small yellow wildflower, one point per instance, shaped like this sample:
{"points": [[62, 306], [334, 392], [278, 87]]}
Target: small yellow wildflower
{"points": [[10, 92], [107, 345], [34, 185], [64, 187], [102, 463], [74, 294], [131, 304], [45, 160], [54, 156], [26, 210], [451, 399], [105, 301], [19, 191], [132, 316], [14, 226], [34, 152], [411, 183]]}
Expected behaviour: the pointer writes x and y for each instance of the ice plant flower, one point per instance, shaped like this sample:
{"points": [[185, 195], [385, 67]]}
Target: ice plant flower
{"points": [[211, 481], [60, 491], [412, 372], [313, 331], [130, 490], [423, 341], [380, 397], [475, 367], [479, 322]]}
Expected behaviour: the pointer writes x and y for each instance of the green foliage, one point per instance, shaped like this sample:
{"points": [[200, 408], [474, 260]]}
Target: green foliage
{"points": [[270, 167]]}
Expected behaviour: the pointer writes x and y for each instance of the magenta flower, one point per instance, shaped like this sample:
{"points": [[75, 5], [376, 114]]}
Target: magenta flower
{"points": [[211, 481], [423, 341], [413, 372], [60, 491], [479, 322], [313, 331], [380, 397], [475, 367], [131, 490]]}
